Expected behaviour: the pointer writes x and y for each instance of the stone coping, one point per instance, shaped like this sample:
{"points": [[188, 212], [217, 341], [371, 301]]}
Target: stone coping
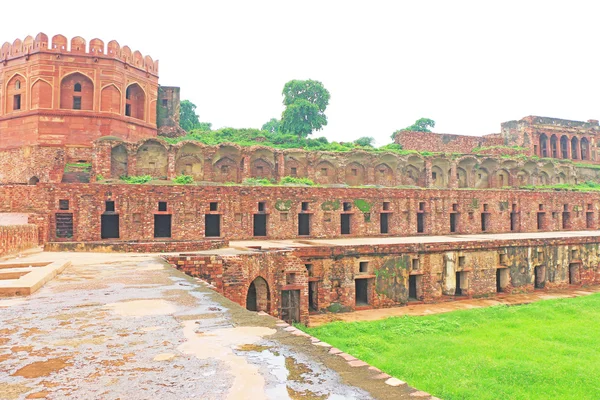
{"points": [[26, 278]]}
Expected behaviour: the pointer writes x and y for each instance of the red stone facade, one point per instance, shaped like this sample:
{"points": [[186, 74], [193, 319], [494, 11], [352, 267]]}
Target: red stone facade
{"points": [[56, 94]]}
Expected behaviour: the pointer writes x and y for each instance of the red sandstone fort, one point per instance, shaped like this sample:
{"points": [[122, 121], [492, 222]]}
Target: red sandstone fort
{"points": [[76, 116]]}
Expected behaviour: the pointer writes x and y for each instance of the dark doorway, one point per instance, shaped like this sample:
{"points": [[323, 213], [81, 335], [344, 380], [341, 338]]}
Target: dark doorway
{"points": [[459, 284], [251, 298], [573, 274], [514, 222], [290, 305], [420, 222], [485, 222], [502, 279], [260, 225], [312, 296], [412, 287], [346, 224], [566, 220], [362, 298], [64, 225], [453, 222], [162, 226], [589, 220], [539, 276], [541, 221], [109, 226], [303, 224], [384, 223], [212, 225]]}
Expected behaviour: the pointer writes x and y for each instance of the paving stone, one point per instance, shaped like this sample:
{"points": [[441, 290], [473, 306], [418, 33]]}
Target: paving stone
{"points": [[395, 382], [357, 363], [347, 357]]}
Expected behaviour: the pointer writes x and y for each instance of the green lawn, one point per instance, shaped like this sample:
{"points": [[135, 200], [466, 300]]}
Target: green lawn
{"points": [[546, 350]]}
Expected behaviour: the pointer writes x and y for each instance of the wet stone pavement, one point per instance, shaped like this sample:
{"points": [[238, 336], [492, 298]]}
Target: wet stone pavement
{"points": [[131, 327]]}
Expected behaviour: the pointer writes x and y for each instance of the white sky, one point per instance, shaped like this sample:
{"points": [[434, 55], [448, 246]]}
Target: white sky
{"points": [[469, 65]]}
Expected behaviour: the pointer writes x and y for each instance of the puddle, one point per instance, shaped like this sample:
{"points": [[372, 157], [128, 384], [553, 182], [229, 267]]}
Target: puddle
{"points": [[43, 368], [218, 344], [164, 357], [140, 308]]}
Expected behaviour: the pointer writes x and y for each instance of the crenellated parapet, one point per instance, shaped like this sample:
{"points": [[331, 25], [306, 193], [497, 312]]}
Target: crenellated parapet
{"points": [[69, 93], [60, 45]]}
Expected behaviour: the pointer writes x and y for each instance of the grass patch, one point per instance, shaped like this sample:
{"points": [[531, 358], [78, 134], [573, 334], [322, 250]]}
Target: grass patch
{"points": [[136, 180], [587, 186], [545, 350]]}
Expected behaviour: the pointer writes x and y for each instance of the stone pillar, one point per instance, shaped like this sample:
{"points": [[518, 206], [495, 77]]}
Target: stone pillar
{"points": [[245, 171], [452, 180], [280, 166], [171, 173], [449, 274], [131, 162], [427, 178]]}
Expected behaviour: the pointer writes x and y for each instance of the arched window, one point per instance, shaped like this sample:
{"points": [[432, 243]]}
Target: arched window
{"points": [[18, 85], [128, 93], [77, 87]]}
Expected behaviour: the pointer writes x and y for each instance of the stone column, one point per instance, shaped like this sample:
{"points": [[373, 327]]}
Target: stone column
{"points": [[452, 180]]}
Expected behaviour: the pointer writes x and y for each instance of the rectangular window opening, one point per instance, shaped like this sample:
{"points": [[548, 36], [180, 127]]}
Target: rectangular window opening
{"points": [[305, 206], [63, 204], [17, 102], [261, 206], [109, 206], [128, 110], [76, 102], [386, 206], [213, 206], [415, 264], [347, 206], [162, 206], [363, 266]]}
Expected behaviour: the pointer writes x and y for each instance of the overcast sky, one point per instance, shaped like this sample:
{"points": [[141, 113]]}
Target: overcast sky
{"points": [[467, 65]]}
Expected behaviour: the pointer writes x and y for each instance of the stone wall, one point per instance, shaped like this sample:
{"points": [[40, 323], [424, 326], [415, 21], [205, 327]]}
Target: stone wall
{"points": [[331, 278], [443, 142], [269, 273], [17, 238], [190, 210]]}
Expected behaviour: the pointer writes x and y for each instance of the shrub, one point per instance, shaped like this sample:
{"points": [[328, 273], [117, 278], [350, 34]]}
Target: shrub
{"points": [[292, 180], [258, 182], [136, 180], [183, 179]]}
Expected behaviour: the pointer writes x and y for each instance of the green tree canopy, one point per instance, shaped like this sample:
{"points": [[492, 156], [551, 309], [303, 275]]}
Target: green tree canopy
{"points": [[305, 103], [188, 119], [272, 126], [421, 125], [365, 141]]}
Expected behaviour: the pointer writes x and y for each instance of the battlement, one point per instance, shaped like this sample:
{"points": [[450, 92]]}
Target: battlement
{"points": [[78, 46]]}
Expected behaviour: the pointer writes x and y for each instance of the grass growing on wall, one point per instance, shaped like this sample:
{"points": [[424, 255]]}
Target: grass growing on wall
{"points": [[587, 186], [136, 180], [545, 350]]}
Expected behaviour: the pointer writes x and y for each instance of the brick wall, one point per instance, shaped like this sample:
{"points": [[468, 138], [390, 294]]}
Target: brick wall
{"points": [[443, 142], [17, 238], [236, 207]]}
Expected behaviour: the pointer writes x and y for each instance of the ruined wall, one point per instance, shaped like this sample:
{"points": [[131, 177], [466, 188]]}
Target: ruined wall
{"points": [[350, 277], [443, 142], [284, 209], [15, 238], [276, 270], [489, 268]]}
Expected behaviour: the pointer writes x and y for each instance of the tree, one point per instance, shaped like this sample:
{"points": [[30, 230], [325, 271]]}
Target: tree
{"points": [[188, 119], [272, 126], [365, 141], [305, 103], [421, 125]]}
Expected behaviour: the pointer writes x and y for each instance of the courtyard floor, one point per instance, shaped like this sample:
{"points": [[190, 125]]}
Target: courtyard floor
{"points": [[128, 326]]}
